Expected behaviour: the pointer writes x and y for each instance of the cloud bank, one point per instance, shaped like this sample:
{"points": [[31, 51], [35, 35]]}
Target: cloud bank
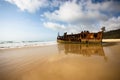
{"points": [[74, 15]]}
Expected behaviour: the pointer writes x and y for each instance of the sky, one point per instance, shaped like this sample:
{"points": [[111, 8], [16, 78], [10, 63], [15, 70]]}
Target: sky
{"points": [[43, 19]]}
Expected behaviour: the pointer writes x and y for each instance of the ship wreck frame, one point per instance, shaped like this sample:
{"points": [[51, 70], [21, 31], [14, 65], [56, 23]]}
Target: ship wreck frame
{"points": [[83, 37]]}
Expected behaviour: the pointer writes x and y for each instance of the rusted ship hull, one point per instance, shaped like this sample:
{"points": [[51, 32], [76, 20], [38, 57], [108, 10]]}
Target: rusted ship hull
{"points": [[83, 37], [81, 42]]}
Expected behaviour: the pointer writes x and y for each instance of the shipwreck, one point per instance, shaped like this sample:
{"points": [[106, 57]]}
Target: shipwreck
{"points": [[82, 37]]}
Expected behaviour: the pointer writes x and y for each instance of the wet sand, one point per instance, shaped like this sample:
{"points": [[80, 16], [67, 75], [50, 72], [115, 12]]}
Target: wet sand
{"points": [[61, 62]]}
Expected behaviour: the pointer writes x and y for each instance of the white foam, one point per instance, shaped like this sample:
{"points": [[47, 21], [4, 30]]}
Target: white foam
{"points": [[6, 45]]}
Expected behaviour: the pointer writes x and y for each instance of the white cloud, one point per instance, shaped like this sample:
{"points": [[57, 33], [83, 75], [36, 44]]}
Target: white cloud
{"points": [[29, 5], [112, 24], [107, 6], [72, 12], [69, 11], [60, 27], [87, 14], [54, 26], [77, 16], [70, 28], [34, 5]]}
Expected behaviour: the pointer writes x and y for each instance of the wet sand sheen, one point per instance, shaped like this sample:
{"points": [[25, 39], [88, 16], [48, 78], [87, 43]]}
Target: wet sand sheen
{"points": [[61, 62]]}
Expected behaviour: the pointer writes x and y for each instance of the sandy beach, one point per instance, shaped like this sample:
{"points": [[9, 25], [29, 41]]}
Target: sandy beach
{"points": [[61, 62], [110, 40], [59, 39]]}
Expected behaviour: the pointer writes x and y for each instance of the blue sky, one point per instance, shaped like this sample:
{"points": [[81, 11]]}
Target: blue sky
{"points": [[43, 19]]}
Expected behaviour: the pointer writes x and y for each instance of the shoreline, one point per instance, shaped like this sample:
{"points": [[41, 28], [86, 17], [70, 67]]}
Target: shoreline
{"points": [[35, 46], [110, 40], [43, 45]]}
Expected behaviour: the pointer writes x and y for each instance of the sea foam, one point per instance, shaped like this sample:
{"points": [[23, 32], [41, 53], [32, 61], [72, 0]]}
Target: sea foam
{"points": [[20, 44]]}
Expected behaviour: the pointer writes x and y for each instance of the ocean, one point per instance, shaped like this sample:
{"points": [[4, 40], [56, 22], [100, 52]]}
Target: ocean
{"points": [[20, 44]]}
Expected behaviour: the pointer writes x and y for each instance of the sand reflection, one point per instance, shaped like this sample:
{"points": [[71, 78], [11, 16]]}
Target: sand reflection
{"points": [[82, 49]]}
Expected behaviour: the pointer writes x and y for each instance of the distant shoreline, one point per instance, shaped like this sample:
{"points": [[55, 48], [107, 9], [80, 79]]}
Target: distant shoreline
{"points": [[110, 40]]}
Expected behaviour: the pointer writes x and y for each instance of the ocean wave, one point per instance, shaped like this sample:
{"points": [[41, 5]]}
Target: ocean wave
{"points": [[20, 44]]}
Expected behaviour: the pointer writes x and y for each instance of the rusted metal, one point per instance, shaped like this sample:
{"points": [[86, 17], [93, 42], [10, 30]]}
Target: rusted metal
{"points": [[83, 37]]}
